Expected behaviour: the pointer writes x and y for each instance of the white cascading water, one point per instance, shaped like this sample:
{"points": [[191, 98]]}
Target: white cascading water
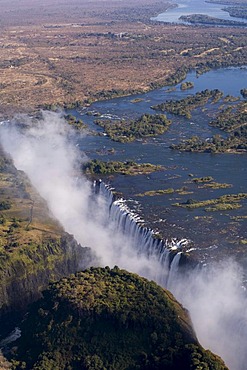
{"points": [[217, 304], [141, 238]]}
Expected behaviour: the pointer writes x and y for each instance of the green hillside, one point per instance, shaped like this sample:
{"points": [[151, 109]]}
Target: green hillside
{"points": [[112, 320], [34, 248]]}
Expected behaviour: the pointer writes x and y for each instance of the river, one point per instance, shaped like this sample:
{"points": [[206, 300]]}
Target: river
{"points": [[213, 295], [212, 233], [188, 7]]}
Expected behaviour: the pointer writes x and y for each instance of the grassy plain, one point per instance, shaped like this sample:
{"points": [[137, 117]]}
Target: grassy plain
{"points": [[58, 53]]}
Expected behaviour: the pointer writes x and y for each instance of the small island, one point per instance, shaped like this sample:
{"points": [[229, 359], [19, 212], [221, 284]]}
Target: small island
{"points": [[209, 183], [207, 20], [97, 167], [215, 145], [224, 203], [186, 85], [231, 120], [185, 106], [243, 92], [151, 193], [125, 131], [75, 122]]}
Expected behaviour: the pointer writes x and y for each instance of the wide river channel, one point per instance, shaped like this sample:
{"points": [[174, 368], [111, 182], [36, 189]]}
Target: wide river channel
{"points": [[188, 7], [213, 234]]}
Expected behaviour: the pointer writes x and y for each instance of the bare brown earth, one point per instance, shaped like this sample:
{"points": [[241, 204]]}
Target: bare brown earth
{"points": [[62, 53]]}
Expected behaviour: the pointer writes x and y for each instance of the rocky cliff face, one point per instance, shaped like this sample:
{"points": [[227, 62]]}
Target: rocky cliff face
{"points": [[23, 280], [34, 249]]}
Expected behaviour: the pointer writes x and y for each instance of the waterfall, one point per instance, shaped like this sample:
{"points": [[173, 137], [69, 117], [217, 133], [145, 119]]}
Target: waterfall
{"points": [[213, 294], [166, 253], [173, 271]]}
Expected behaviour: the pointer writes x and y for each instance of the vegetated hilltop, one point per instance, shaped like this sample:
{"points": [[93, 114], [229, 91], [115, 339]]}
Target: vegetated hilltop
{"points": [[110, 319], [34, 249], [75, 53]]}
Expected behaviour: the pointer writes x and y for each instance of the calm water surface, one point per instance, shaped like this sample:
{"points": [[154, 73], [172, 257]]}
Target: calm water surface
{"points": [[212, 233], [188, 7]]}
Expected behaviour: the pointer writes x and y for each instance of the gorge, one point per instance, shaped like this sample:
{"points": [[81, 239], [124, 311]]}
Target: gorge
{"points": [[47, 154], [167, 200]]}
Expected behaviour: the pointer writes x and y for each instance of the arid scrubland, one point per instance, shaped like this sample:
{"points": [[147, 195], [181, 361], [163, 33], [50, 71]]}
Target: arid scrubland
{"points": [[61, 54]]}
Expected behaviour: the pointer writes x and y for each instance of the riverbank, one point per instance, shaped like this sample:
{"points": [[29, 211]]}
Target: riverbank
{"points": [[152, 195], [54, 60]]}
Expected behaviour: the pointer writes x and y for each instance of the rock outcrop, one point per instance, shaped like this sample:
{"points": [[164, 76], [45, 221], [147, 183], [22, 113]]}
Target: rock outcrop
{"points": [[24, 276], [34, 249]]}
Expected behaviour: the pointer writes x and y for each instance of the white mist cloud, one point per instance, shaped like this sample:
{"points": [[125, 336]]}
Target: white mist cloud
{"points": [[46, 152], [218, 307]]}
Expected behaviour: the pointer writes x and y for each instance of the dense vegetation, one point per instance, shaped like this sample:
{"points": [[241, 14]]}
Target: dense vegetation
{"points": [[184, 106], [110, 320], [178, 76], [33, 247], [73, 121], [236, 11], [111, 94], [232, 120], [5, 204], [205, 19], [127, 131], [217, 144], [97, 167], [244, 93], [186, 85]]}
